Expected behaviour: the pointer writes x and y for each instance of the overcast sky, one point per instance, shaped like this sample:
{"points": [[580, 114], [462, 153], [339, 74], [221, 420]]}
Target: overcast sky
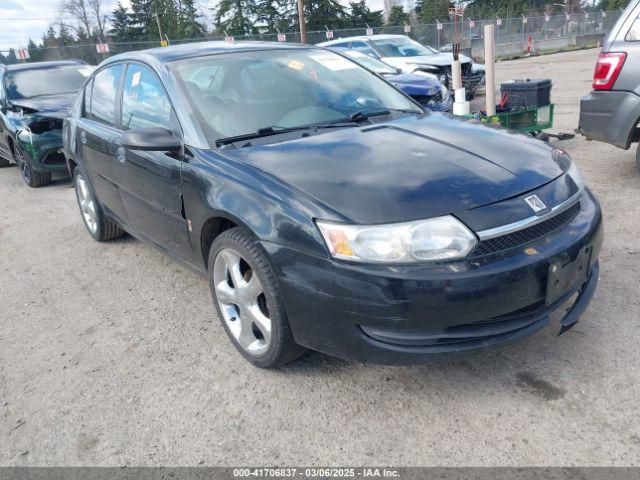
{"points": [[24, 19]]}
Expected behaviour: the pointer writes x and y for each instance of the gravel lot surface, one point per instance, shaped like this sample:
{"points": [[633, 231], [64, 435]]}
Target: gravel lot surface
{"points": [[111, 354]]}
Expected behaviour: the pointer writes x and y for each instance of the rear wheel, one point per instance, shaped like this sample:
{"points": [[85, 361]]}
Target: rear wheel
{"points": [[249, 301], [99, 227], [30, 176]]}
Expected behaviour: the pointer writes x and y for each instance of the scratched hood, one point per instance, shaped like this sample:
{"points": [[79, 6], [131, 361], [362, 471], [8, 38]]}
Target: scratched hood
{"points": [[412, 168], [52, 105]]}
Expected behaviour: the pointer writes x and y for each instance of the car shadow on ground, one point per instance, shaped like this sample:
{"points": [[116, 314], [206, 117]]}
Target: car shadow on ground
{"points": [[524, 364]]}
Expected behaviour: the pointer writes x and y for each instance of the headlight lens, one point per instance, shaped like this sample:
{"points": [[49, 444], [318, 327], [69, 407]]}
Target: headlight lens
{"points": [[576, 175], [565, 162], [436, 239], [444, 92]]}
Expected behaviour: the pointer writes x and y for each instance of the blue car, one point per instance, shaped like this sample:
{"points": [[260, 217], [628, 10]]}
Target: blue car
{"points": [[423, 87]]}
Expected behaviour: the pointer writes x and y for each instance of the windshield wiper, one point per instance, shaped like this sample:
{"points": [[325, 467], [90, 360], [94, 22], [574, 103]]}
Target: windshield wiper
{"points": [[276, 130], [378, 112]]}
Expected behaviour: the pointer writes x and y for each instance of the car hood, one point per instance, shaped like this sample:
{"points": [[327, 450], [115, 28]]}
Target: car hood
{"points": [[437, 59], [414, 84], [52, 105], [412, 168]]}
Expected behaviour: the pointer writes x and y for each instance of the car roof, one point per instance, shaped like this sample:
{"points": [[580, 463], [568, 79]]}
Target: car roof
{"points": [[361, 38], [199, 49], [16, 67]]}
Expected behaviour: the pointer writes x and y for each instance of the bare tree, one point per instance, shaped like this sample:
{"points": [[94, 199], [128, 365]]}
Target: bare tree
{"points": [[88, 15], [100, 17]]}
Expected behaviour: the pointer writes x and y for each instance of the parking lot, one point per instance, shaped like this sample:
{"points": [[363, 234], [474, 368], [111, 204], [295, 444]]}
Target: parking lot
{"points": [[111, 354]]}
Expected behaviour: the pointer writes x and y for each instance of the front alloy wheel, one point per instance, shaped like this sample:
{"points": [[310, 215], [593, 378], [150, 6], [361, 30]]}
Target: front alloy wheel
{"points": [[248, 300], [242, 302]]}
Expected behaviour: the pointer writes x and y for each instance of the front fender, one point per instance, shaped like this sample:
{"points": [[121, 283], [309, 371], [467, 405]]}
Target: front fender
{"points": [[214, 187]]}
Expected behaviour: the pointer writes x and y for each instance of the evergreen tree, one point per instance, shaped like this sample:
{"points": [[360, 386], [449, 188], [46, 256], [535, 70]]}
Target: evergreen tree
{"points": [[361, 15], [237, 17], [515, 8], [64, 38], [612, 5], [12, 58], [49, 38], [190, 25], [397, 16], [431, 10], [145, 15], [272, 14], [324, 13], [121, 23], [34, 51]]}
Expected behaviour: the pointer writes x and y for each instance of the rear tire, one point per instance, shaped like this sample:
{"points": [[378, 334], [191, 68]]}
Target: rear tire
{"points": [[99, 227], [249, 301], [31, 177]]}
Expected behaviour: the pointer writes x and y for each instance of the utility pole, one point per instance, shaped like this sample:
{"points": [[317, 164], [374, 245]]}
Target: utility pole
{"points": [[159, 27], [302, 22]]}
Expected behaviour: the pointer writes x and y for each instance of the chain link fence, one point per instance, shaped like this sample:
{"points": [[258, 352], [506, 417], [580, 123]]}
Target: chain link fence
{"points": [[514, 36]]}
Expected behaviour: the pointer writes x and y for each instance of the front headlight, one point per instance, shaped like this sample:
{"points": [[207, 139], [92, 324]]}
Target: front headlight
{"points": [[570, 167], [444, 92], [576, 175], [441, 238]]}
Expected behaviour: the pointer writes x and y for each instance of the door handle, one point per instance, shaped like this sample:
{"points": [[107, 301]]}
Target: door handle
{"points": [[83, 137], [121, 154]]}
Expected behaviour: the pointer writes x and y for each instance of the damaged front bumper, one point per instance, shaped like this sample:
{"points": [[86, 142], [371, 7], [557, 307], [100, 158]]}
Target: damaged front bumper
{"points": [[45, 149]]}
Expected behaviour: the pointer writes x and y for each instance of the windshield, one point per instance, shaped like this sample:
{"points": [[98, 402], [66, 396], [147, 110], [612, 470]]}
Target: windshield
{"points": [[241, 93], [45, 81], [371, 63], [402, 47]]}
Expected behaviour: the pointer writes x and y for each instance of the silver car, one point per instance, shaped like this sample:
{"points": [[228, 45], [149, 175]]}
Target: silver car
{"points": [[410, 57], [611, 112]]}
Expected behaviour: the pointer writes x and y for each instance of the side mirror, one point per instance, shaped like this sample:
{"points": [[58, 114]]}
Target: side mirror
{"points": [[151, 139]]}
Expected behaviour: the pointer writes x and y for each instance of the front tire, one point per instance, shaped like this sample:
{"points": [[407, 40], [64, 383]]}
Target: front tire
{"points": [[31, 177], [249, 301], [99, 227]]}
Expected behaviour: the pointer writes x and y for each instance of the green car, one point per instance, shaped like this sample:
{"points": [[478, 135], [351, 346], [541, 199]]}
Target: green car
{"points": [[34, 98]]}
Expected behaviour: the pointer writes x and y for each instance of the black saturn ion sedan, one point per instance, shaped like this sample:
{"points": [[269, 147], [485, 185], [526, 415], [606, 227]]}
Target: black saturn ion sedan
{"points": [[328, 210]]}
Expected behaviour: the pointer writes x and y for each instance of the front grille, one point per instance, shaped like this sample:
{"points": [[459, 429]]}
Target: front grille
{"points": [[526, 235]]}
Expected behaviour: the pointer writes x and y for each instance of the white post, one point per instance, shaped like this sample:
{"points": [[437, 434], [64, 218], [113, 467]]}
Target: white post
{"points": [[460, 104], [490, 69]]}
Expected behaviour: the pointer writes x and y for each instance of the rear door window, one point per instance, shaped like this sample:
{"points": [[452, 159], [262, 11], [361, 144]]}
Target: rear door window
{"points": [[103, 95], [144, 100]]}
